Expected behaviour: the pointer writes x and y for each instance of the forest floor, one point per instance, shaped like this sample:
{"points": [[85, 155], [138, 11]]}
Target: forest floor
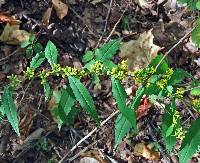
{"points": [[86, 26]]}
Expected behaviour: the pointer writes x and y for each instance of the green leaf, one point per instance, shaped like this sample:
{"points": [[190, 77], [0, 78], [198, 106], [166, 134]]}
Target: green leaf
{"points": [[167, 130], [2, 113], [10, 109], [108, 50], [195, 91], [29, 51], [162, 67], [51, 53], [25, 44], [88, 56], [65, 104], [122, 127], [196, 34], [87, 66], [37, 48], [109, 64], [47, 91], [37, 60], [120, 96], [198, 5], [178, 76], [83, 97], [137, 99], [190, 144]]}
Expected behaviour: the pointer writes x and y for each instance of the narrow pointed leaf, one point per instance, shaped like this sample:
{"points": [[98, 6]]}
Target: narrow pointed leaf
{"points": [[122, 127], [65, 105], [108, 50], [51, 53], [37, 60], [83, 97], [120, 96], [10, 109], [167, 130], [190, 144]]}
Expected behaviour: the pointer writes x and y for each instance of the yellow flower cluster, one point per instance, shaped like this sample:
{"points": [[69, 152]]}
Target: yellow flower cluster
{"points": [[175, 118], [43, 76], [29, 73], [165, 78], [196, 104], [14, 81], [142, 76], [96, 68], [179, 93], [180, 133], [120, 72]]}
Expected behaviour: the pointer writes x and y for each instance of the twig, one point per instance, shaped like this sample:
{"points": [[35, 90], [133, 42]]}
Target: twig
{"points": [[106, 23], [88, 135], [78, 16], [113, 30], [8, 56], [163, 153], [173, 47]]}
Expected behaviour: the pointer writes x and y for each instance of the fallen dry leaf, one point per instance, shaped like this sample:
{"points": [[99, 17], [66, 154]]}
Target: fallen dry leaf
{"points": [[143, 109], [61, 8], [13, 35], [141, 149], [46, 16], [143, 3], [139, 52], [92, 157], [8, 19]]}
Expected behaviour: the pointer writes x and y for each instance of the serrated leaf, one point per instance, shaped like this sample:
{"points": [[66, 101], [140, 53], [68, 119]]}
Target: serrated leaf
{"points": [[47, 91], [10, 109], [108, 50], [51, 53], [109, 64], [178, 76], [190, 144], [122, 127], [89, 55], [196, 34], [25, 44], [2, 113], [195, 92], [83, 97], [167, 130], [162, 67], [65, 104], [120, 96], [37, 48], [37, 60]]}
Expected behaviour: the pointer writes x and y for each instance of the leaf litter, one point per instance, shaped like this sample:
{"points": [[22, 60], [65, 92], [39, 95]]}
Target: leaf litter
{"points": [[137, 59]]}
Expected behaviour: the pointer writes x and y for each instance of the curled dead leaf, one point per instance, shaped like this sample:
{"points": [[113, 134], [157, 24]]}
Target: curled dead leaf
{"points": [[61, 8], [13, 35], [144, 150], [143, 109], [92, 157], [4, 18], [46, 16], [139, 52]]}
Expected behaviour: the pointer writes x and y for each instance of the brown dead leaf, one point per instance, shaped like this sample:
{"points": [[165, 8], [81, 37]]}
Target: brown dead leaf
{"points": [[92, 157], [25, 122], [8, 19], [46, 16], [143, 109], [141, 149], [139, 52], [13, 35], [143, 3], [61, 8]]}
